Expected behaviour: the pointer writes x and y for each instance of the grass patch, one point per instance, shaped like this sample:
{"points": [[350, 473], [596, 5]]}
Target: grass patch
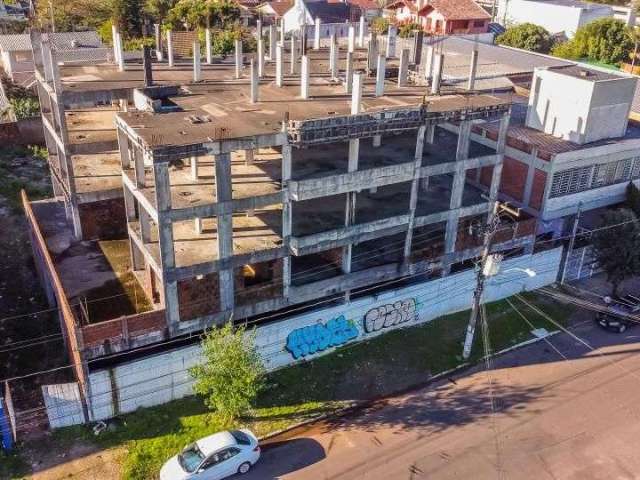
{"points": [[12, 466], [23, 168], [388, 363]]}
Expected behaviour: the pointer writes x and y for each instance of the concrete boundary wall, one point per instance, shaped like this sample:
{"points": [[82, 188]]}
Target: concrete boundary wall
{"points": [[164, 377]]}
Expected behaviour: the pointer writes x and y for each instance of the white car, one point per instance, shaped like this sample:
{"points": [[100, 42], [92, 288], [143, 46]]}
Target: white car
{"points": [[214, 457]]}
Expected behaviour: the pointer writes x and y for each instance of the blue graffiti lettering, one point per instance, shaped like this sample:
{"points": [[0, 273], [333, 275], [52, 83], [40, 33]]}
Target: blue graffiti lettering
{"points": [[316, 338]]}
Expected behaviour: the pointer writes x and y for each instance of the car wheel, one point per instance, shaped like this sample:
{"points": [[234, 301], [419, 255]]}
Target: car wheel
{"points": [[244, 468], [622, 328]]}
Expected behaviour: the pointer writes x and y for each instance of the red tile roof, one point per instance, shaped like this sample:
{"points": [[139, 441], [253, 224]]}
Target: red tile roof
{"points": [[280, 7], [457, 9]]}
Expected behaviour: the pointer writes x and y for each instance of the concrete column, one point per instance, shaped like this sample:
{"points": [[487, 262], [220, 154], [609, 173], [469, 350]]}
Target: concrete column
{"points": [[138, 167], [472, 70], [158, 35], [501, 145], [145, 226], [170, 48], [249, 157], [380, 75], [356, 94], [197, 68], [437, 74], [404, 68], [377, 141], [431, 134], [114, 42], [123, 146], [165, 241], [350, 207], [238, 51], [120, 52], [293, 55], [260, 48], [254, 81], [304, 77], [417, 47], [279, 65], [207, 36], [194, 167], [335, 73], [332, 51], [361, 32], [272, 42], [464, 140], [352, 38], [316, 35], [415, 188], [348, 73], [391, 41], [225, 230], [286, 218], [428, 68], [146, 66], [282, 35]]}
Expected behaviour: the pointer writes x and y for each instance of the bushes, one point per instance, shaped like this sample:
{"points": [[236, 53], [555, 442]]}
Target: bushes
{"points": [[528, 37], [380, 25], [605, 40]]}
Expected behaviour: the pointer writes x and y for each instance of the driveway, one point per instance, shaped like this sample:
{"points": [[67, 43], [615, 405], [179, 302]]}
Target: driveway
{"points": [[572, 419]]}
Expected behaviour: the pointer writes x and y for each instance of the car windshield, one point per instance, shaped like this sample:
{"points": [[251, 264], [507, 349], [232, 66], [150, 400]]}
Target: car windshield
{"points": [[190, 458], [241, 437]]}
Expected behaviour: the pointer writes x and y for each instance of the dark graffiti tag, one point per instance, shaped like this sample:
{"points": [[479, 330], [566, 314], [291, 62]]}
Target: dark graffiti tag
{"points": [[316, 338], [386, 316]]}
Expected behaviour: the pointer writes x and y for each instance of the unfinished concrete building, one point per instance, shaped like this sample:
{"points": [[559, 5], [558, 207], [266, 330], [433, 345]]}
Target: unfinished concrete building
{"points": [[254, 186]]}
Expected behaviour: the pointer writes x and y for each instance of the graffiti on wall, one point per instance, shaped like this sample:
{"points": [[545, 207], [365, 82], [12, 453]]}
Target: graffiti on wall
{"points": [[390, 315], [316, 338]]}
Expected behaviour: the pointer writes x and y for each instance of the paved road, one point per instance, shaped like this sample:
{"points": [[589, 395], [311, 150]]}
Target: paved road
{"points": [[575, 419]]}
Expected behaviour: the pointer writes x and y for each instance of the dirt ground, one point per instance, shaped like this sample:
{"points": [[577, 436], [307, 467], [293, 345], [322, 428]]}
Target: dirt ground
{"points": [[79, 461]]}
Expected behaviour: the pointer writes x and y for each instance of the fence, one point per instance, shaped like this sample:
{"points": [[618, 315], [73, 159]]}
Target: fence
{"points": [[581, 263], [164, 377]]}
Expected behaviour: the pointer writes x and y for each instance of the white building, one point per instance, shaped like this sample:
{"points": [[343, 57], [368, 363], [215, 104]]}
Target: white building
{"points": [[557, 16]]}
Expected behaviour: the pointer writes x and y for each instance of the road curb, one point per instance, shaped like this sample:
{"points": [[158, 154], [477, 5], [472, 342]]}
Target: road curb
{"points": [[359, 405]]}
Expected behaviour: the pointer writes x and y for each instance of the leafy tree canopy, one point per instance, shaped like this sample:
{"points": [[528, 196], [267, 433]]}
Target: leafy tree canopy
{"points": [[232, 373], [527, 36], [605, 40], [618, 248], [192, 14]]}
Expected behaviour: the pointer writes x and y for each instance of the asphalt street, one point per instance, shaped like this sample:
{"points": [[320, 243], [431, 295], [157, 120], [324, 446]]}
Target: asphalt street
{"points": [[558, 411]]}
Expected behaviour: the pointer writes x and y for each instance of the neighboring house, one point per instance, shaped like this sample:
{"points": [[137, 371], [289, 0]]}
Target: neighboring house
{"points": [[272, 12], [305, 13], [16, 57], [557, 16], [369, 8], [443, 16]]}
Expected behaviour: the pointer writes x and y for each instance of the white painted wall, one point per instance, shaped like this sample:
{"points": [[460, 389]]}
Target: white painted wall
{"points": [[161, 378]]}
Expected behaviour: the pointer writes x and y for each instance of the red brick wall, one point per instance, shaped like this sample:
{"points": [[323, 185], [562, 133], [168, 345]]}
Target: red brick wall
{"points": [[198, 298], [265, 291], [104, 219], [537, 190], [514, 178], [486, 174]]}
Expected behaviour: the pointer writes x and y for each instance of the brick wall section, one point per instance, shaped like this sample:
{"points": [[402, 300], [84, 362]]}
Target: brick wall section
{"points": [[486, 174], [537, 189], [24, 132], [265, 291], [198, 298], [514, 178], [130, 327], [104, 219]]}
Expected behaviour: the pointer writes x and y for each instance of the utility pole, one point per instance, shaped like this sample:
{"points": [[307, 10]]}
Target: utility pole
{"points": [[487, 269], [572, 242]]}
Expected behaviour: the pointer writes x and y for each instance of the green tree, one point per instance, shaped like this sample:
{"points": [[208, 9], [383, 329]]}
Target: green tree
{"points": [[232, 373], [617, 248], [69, 15], [127, 15], [193, 14], [633, 199], [605, 40], [527, 36], [158, 9], [380, 25], [407, 29]]}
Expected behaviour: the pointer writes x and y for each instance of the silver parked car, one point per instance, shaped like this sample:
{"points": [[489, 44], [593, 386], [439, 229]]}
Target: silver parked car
{"points": [[214, 457]]}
